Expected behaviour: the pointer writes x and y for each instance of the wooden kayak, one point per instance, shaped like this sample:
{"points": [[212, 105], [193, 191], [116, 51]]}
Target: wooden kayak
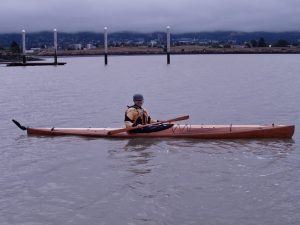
{"points": [[176, 131]]}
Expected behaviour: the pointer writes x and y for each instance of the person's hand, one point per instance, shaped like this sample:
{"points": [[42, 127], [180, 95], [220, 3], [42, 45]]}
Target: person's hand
{"points": [[139, 126]]}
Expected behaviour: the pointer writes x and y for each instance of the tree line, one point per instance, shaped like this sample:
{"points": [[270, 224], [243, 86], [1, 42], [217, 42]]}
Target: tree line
{"points": [[260, 43]]}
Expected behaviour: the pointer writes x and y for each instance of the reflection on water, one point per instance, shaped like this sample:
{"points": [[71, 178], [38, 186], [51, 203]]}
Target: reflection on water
{"points": [[275, 147], [139, 144], [136, 154], [139, 154]]}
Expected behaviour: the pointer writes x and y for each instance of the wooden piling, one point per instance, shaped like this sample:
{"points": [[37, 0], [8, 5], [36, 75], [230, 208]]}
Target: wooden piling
{"points": [[105, 46], [24, 46], [55, 46], [168, 44]]}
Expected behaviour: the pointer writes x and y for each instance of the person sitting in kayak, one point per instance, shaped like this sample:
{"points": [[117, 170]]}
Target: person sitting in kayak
{"points": [[136, 116]]}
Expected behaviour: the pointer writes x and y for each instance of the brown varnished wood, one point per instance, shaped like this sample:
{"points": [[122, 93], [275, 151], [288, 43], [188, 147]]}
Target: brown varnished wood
{"points": [[180, 131]]}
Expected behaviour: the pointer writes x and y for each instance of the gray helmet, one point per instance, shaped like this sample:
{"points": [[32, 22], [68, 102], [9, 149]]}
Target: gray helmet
{"points": [[138, 97]]}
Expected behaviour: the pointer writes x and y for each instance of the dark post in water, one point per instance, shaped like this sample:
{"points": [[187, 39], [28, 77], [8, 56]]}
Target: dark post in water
{"points": [[23, 46], [168, 44], [55, 46], [105, 45]]}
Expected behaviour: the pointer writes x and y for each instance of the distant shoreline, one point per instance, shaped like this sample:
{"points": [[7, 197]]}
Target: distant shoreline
{"points": [[10, 58], [176, 50]]}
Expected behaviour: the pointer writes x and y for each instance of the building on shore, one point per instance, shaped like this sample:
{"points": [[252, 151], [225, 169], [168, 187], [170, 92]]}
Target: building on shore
{"points": [[90, 46], [75, 46]]}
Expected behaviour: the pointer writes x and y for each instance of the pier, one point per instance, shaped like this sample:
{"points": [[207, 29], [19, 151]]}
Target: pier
{"points": [[36, 64], [24, 54]]}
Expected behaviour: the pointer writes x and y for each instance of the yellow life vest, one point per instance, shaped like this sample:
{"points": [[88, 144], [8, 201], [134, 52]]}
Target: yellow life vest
{"points": [[135, 115]]}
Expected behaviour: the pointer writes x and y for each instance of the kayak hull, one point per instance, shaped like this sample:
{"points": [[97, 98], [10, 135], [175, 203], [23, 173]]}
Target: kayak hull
{"points": [[180, 131]]}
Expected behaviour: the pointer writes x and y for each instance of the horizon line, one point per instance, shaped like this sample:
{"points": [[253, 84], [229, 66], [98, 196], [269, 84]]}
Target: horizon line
{"points": [[147, 32]]}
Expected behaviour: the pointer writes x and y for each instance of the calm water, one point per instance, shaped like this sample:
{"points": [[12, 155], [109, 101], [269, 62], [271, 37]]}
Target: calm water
{"points": [[71, 180]]}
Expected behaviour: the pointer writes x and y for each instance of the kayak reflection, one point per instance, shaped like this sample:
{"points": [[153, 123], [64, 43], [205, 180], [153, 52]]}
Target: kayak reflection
{"points": [[139, 154], [140, 144]]}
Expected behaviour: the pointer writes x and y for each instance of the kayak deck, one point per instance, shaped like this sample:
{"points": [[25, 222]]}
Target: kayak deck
{"points": [[179, 131]]}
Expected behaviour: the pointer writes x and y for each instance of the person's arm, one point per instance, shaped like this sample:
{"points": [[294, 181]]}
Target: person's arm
{"points": [[130, 116], [150, 120]]}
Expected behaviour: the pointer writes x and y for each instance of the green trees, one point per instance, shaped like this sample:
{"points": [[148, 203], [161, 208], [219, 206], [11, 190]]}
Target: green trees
{"points": [[253, 43], [262, 42], [281, 43], [14, 47]]}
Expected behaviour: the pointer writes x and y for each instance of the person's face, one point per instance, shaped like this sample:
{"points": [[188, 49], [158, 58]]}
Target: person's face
{"points": [[139, 103]]}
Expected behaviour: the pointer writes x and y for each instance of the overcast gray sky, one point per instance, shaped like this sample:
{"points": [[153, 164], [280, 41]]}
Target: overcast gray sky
{"points": [[149, 15]]}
